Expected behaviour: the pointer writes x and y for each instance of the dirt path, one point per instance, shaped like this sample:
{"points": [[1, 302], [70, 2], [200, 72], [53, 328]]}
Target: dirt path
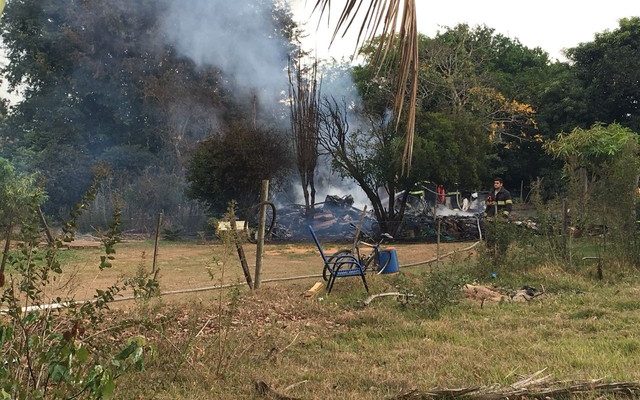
{"points": [[186, 265]]}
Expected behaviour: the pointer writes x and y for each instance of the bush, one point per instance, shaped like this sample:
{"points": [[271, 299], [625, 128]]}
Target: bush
{"points": [[602, 167], [142, 198], [231, 165], [433, 292], [64, 351]]}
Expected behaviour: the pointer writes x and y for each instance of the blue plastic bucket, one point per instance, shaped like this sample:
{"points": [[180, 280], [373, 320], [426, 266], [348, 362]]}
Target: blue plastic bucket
{"points": [[390, 256]]}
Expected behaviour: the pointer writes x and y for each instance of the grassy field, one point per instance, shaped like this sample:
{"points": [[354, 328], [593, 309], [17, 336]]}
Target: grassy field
{"points": [[216, 344]]}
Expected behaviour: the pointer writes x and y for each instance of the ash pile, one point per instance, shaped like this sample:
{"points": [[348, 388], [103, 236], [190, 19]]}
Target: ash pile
{"points": [[331, 220], [421, 218]]}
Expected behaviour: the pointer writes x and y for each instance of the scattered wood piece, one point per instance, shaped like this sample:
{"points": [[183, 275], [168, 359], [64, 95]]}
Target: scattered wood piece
{"points": [[396, 294], [314, 290], [289, 345], [294, 385], [203, 326], [532, 387], [450, 393], [482, 293], [527, 380], [264, 390]]}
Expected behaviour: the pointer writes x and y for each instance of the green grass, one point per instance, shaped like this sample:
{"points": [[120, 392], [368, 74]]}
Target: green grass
{"points": [[335, 348]]}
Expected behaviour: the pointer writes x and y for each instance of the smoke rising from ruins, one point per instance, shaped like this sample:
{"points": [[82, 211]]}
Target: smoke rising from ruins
{"points": [[243, 39]]}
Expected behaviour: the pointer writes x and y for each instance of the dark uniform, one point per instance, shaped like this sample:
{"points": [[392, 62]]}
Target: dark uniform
{"points": [[502, 199]]}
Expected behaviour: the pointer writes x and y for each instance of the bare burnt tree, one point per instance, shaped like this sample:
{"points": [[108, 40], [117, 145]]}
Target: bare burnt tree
{"points": [[304, 92], [370, 155]]}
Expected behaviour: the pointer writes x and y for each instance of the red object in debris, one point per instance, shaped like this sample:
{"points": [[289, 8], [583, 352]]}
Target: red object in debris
{"points": [[441, 194]]}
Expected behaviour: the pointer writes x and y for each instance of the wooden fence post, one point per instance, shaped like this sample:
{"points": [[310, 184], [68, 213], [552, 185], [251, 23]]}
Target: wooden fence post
{"points": [[155, 271], [264, 197], [439, 225], [358, 230], [238, 243]]}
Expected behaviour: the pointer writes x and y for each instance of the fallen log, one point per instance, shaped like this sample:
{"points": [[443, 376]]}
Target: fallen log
{"points": [[396, 294], [532, 387]]}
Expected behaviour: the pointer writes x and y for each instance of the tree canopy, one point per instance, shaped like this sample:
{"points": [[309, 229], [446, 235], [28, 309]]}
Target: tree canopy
{"points": [[106, 82], [608, 69], [101, 83]]}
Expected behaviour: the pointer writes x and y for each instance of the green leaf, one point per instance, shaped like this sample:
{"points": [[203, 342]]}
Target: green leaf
{"points": [[58, 372], [6, 332], [4, 395], [107, 389], [82, 354], [127, 351]]}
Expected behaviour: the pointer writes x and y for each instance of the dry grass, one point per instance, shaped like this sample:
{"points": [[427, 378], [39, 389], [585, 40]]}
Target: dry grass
{"points": [[188, 265]]}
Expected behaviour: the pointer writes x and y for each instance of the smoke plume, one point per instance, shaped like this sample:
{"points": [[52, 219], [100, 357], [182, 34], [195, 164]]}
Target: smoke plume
{"points": [[241, 38], [244, 40]]}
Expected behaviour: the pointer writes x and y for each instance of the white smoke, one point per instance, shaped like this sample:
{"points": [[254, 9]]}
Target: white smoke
{"points": [[338, 84], [240, 37], [243, 40]]}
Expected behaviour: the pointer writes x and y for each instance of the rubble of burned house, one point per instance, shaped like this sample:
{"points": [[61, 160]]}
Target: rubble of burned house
{"points": [[332, 219], [335, 219], [423, 212]]}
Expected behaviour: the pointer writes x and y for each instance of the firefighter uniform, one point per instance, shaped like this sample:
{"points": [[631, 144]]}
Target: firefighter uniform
{"points": [[501, 199]]}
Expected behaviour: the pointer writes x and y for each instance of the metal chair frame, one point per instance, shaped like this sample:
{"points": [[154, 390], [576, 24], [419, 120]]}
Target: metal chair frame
{"points": [[340, 266]]}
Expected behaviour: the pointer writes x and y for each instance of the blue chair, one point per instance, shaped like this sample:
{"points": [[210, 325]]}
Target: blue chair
{"points": [[340, 265]]}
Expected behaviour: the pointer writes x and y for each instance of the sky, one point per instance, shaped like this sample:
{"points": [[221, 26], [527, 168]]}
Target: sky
{"points": [[553, 25]]}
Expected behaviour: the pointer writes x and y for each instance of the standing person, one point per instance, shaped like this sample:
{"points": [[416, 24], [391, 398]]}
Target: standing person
{"points": [[499, 200]]}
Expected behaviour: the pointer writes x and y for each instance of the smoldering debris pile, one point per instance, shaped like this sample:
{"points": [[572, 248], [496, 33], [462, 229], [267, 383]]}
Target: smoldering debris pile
{"points": [[332, 219], [455, 225], [452, 228]]}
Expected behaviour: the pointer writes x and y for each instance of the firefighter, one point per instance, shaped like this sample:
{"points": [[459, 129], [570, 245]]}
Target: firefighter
{"points": [[499, 200]]}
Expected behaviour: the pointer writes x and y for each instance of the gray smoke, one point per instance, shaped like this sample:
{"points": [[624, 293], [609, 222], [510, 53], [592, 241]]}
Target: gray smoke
{"points": [[243, 40], [338, 84], [240, 37]]}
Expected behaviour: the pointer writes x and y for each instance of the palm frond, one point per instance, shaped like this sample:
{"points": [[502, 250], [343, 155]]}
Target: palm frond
{"points": [[394, 21]]}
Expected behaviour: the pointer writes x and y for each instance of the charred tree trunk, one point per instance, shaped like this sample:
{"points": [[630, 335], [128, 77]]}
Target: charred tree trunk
{"points": [[304, 96]]}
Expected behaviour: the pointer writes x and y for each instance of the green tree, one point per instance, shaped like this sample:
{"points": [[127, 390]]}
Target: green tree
{"points": [[81, 66], [231, 165], [364, 147], [602, 167], [19, 194], [608, 69], [461, 107], [102, 84]]}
